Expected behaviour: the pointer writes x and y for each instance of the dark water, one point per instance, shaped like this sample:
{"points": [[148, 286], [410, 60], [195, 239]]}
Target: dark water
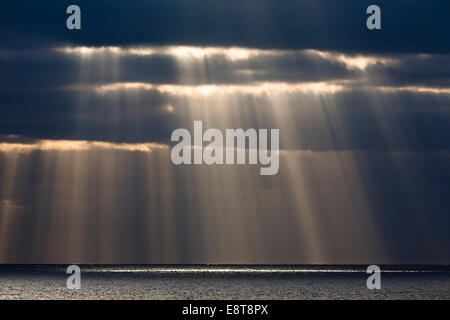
{"points": [[223, 282]]}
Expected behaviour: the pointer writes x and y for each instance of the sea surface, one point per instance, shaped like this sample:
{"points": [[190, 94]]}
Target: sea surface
{"points": [[223, 282]]}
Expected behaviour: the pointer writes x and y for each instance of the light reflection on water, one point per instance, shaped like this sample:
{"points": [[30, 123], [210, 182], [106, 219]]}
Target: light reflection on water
{"points": [[243, 270], [223, 282]]}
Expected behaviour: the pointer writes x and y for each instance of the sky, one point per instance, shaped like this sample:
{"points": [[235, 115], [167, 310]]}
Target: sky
{"points": [[86, 118]]}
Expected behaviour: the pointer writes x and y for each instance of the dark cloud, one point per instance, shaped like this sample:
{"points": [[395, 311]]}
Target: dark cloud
{"points": [[407, 26], [418, 69], [355, 119]]}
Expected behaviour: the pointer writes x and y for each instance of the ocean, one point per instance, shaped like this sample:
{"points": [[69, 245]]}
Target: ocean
{"points": [[231, 282]]}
